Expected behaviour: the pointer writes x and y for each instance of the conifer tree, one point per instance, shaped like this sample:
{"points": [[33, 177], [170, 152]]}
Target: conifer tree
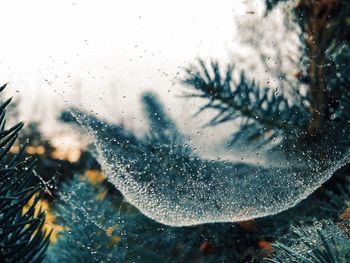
{"points": [[321, 114], [22, 238], [315, 119]]}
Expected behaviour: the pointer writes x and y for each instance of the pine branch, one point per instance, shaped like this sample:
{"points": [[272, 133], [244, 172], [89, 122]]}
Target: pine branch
{"points": [[316, 244], [338, 199], [271, 4], [163, 137], [91, 222], [22, 238], [325, 37], [162, 129], [264, 114]]}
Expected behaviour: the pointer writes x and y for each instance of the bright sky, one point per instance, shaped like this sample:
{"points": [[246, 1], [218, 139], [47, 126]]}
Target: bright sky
{"points": [[103, 54]]}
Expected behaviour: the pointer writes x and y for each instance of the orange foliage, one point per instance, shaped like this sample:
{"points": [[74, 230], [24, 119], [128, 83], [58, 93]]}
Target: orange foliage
{"points": [[50, 218], [95, 176], [266, 247]]}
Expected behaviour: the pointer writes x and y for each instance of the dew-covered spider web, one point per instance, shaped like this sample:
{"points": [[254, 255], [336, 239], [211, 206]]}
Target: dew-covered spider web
{"points": [[179, 182], [172, 157]]}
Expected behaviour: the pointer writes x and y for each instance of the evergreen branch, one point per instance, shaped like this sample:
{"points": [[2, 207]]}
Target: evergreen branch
{"points": [[159, 121], [325, 244], [92, 232], [338, 198], [21, 233], [271, 4], [162, 137], [263, 111]]}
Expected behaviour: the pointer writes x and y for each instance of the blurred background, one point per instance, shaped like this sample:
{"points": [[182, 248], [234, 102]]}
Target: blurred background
{"points": [[101, 56]]}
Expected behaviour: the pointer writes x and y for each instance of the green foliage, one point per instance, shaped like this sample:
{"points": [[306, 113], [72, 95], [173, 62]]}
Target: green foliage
{"points": [[270, 4], [92, 229], [264, 114], [165, 130], [322, 113], [162, 130], [325, 42], [162, 148], [338, 198], [322, 242], [141, 240], [160, 152], [163, 137], [22, 238]]}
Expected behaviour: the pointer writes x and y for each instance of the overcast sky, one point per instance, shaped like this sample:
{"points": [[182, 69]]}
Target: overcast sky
{"points": [[103, 54]]}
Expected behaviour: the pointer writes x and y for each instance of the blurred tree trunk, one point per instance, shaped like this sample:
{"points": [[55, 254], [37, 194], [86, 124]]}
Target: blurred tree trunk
{"points": [[317, 37]]}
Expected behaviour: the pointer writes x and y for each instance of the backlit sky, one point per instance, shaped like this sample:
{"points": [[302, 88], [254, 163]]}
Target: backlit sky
{"points": [[102, 55]]}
